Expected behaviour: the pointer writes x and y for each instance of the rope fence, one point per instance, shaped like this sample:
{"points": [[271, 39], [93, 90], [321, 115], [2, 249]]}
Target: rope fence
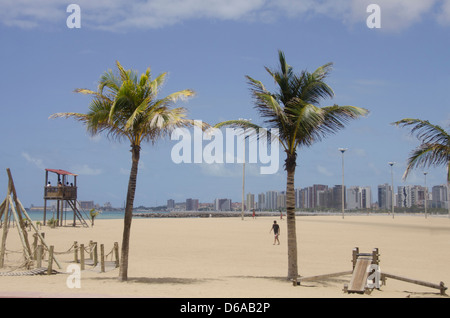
{"points": [[85, 255]]}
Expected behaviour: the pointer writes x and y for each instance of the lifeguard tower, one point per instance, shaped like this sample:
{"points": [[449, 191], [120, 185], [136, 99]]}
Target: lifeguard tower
{"points": [[63, 191]]}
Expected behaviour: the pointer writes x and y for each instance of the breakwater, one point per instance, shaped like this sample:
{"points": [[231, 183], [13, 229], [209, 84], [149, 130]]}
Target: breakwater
{"points": [[210, 214]]}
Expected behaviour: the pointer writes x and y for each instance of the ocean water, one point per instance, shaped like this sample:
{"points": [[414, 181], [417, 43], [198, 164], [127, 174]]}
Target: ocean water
{"points": [[39, 215]]}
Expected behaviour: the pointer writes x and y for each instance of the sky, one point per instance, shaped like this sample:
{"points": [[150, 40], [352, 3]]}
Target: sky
{"points": [[399, 70]]}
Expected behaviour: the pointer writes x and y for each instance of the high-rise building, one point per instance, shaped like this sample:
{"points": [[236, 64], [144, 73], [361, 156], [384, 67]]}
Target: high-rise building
{"points": [[271, 200], [439, 197], [385, 196], [409, 196], [281, 200], [335, 201], [318, 195], [353, 198], [298, 198], [261, 201], [170, 204], [250, 201], [192, 205], [308, 201], [86, 205], [222, 204], [366, 197], [359, 198]]}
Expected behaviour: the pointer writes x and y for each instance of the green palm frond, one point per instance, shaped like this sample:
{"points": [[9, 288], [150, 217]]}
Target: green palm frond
{"points": [[294, 107], [336, 117], [425, 131], [126, 106], [434, 149]]}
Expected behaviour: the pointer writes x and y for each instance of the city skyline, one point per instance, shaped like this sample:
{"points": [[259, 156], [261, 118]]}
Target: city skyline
{"points": [[369, 198], [356, 198], [210, 49]]}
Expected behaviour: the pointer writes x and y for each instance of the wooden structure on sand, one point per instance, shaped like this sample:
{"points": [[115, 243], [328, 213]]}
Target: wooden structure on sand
{"points": [[62, 192], [12, 208], [366, 275]]}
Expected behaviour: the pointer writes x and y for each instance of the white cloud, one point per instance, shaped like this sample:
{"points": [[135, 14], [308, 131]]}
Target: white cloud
{"points": [[374, 168], [324, 171], [360, 152], [35, 161], [86, 170], [230, 170], [117, 15], [444, 16]]}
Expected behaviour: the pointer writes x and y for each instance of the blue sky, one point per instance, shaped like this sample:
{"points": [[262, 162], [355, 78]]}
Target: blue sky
{"points": [[399, 70]]}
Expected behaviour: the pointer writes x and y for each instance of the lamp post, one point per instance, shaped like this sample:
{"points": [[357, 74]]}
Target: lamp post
{"points": [[426, 194], [392, 182], [342, 150], [243, 177]]}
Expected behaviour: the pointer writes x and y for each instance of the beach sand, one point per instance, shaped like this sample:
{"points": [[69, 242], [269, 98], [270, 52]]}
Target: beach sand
{"points": [[230, 257]]}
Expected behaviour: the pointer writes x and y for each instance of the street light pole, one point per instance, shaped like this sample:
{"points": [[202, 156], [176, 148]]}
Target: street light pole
{"points": [[426, 194], [392, 182], [342, 150], [243, 184], [243, 177]]}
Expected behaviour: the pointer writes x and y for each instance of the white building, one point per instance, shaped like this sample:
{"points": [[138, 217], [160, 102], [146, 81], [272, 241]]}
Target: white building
{"points": [[359, 198], [271, 200], [250, 201]]}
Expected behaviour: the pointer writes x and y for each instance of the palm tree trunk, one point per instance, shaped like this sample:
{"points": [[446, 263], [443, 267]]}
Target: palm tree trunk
{"points": [[291, 227], [123, 272]]}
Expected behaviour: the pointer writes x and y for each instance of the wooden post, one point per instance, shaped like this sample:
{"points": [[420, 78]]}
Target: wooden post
{"points": [[355, 253], [375, 256], [116, 252], [50, 260], [5, 231], [82, 256], [39, 254], [22, 233], [95, 254], [57, 212], [75, 248], [40, 235], [91, 244], [439, 286], [102, 258], [35, 244]]}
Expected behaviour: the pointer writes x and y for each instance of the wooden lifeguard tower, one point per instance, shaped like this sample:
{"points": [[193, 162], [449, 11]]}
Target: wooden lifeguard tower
{"points": [[63, 192]]}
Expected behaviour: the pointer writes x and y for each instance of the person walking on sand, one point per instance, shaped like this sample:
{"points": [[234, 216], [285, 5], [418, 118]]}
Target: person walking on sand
{"points": [[276, 232]]}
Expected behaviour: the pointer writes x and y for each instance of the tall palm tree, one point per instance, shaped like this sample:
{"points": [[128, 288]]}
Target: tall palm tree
{"points": [[294, 110], [434, 149], [126, 107]]}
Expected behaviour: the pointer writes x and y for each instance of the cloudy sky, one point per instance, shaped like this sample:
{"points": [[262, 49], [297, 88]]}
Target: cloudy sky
{"points": [[396, 71]]}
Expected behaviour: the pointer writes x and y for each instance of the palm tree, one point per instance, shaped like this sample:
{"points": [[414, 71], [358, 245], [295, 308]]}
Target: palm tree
{"points": [[294, 110], [93, 214], [126, 107], [434, 149]]}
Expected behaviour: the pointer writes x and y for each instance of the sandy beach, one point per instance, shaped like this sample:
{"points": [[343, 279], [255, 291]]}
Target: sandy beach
{"points": [[230, 257]]}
